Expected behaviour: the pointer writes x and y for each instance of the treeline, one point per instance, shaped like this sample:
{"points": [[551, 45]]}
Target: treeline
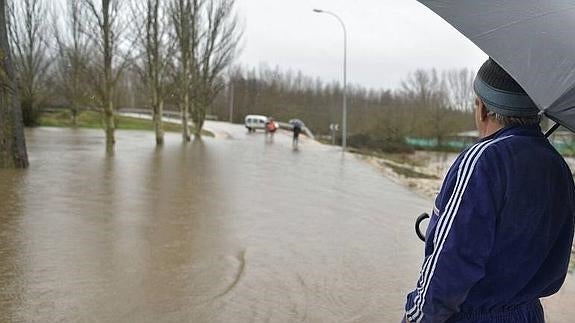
{"points": [[428, 104], [103, 54]]}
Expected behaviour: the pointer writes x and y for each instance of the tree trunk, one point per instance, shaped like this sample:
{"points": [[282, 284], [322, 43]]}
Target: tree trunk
{"points": [[110, 123], [185, 118], [12, 142], [74, 112], [109, 113], [158, 125], [199, 125], [198, 117]]}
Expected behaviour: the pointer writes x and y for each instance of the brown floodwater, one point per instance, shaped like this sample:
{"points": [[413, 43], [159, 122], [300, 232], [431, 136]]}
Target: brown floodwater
{"points": [[244, 229]]}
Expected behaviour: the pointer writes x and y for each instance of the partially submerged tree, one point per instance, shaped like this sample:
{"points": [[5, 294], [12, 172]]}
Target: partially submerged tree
{"points": [[12, 143], [105, 27], [28, 42], [156, 51], [207, 33], [217, 47], [184, 16]]}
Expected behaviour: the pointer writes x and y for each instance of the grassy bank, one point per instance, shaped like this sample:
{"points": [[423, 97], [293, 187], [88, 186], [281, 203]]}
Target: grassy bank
{"points": [[413, 165], [93, 120], [399, 158]]}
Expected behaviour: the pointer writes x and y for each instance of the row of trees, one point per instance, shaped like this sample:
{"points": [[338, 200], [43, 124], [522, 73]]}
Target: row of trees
{"points": [[428, 104], [172, 54], [83, 54]]}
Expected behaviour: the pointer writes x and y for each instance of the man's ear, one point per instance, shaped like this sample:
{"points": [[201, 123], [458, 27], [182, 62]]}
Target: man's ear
{"points": [[482, 111]]}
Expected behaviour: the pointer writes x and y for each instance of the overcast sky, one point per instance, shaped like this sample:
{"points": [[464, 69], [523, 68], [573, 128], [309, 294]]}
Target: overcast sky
{"points": [[387, 39]]}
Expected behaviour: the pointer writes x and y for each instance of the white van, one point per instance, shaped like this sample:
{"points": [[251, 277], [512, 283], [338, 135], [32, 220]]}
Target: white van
{"points": [[254, 121]]}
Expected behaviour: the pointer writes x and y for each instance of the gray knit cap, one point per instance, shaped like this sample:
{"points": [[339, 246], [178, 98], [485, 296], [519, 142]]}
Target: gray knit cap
{"points": [[501, 93]]}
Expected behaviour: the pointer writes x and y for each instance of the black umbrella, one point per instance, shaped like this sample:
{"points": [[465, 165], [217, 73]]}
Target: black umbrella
{"points": [[533, 40], [296, 123]]}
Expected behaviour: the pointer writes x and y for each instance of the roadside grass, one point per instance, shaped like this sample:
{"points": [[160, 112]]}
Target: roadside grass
{"points": [[399, 158], [403, 164], [93, 120]]}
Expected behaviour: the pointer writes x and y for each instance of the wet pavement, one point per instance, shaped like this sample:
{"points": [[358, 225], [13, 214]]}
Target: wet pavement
{"points": [[244, 229]]}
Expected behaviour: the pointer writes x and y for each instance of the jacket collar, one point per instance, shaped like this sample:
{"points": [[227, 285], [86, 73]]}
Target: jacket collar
{"points": [[529, 131]]}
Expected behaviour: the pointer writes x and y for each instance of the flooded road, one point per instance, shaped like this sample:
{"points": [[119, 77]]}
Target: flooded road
{"points": [[244, 229]]}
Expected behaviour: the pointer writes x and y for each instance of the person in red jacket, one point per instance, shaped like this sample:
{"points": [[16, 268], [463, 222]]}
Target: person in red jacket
{"points": [[271, 126]]}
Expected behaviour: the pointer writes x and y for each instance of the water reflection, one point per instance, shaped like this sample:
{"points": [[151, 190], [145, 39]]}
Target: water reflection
{"points": [[243, 230], [11, 268]]}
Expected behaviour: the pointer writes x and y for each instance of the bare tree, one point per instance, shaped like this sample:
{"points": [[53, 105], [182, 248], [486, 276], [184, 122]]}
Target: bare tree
{"points": [[28, 41], [12, 143], [156, 52], [105, 30], [427, 93], [460, 88], [217, 47], [184, 16], [421, 86], [72, 59], [416, 91]]}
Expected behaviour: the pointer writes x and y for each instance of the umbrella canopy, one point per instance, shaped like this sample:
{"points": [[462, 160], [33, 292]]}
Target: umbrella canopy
{"points": [[533, 40], [296, 122]]}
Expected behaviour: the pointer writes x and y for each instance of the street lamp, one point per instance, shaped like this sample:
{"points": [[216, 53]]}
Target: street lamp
{"points": [[344, 121]]}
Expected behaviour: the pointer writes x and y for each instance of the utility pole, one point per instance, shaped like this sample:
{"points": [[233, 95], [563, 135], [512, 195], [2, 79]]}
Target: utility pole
{"points": [[231, 101]]}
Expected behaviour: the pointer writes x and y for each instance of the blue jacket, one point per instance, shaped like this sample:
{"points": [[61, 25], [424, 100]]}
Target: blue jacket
{"points": [[501, 231]]}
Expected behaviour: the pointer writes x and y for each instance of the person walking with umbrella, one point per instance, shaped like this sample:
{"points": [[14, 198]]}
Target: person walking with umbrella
{"points": [[501, 232], [297, 126]]}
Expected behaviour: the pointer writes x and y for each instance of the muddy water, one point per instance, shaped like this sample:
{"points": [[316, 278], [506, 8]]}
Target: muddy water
{"points": [[239, 230]]}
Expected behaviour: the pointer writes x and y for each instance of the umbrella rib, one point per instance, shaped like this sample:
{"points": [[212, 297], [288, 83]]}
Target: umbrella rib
{"points": [[485, 33], [560, 97]]}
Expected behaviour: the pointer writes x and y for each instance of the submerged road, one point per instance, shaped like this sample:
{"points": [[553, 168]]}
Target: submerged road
{"points": [[243, 229]]}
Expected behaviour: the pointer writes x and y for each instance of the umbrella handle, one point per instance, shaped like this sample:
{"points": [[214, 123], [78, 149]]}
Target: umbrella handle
{"points": [[551, 130], [418, 221]]}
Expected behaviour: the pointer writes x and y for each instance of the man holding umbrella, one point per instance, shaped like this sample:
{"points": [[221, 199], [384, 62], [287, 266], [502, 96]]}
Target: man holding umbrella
{"points": [[501, 232]]}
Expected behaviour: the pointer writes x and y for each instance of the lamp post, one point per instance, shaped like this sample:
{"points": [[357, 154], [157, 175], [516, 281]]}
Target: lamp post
{"points": [[231, 91], [344, 117]]}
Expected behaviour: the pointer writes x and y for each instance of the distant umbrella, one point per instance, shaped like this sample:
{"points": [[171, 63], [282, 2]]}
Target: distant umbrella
{"points": [[533, 40], [296, 122]]}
